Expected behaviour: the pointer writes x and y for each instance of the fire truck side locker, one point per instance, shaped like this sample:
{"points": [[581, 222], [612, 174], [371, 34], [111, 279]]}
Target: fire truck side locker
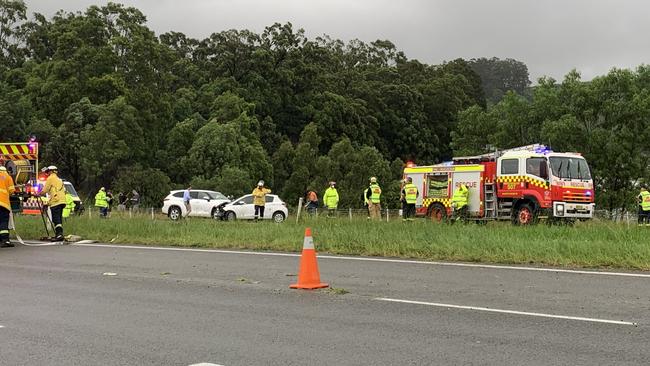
{"points": [[472, 177]]}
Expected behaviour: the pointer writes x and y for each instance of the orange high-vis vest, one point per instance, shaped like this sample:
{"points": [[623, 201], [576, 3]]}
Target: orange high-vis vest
{"points": [[6, 189]]}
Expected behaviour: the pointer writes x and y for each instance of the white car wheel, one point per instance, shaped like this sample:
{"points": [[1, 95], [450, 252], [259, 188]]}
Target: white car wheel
{"points": [[175, 213], [278, 217], [230, 216]]}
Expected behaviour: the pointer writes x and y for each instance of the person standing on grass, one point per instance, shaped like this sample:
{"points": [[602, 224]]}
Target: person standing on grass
{"points": [[186, 200], [121, 201], [135, 200], [409, 195], [373, 195], [331, 199], [69, 205], [6, 189], [109, 202], [259, 199], [644, 206], [311, 204], [55, 190], [101, 203], [365, 202]]}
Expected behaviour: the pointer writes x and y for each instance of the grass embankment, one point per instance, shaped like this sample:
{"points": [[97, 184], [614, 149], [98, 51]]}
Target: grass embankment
{"points": [[595, 244]]}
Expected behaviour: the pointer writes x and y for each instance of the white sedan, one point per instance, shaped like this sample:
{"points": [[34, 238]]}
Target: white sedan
{"points": [[203, 204], [243, 208]]}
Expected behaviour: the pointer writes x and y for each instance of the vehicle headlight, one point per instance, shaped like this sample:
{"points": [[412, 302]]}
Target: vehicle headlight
{"points": [[559, 210]]}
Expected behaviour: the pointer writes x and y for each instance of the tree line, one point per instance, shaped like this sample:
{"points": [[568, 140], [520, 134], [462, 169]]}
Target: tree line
{"points": [[114, 104]]}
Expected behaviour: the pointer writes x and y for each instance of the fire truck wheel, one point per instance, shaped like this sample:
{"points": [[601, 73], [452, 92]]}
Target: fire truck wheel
{"points": [[525, 215], [437, 213]]}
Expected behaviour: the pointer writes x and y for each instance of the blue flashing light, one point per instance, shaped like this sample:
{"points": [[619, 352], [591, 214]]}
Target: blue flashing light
{"points": [[448, 163], [588, 193], [543, 149]]}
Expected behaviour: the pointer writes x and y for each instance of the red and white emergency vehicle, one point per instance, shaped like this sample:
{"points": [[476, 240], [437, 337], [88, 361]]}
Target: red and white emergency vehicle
{"points": [[521, 184], [21, 161]]}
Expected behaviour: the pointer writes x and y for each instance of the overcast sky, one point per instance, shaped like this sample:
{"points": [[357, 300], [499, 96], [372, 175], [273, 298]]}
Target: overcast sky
{"points": [[550, 36]]}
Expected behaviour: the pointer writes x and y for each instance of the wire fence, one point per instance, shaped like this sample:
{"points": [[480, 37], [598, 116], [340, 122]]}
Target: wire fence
{"points": [[299, 211]]}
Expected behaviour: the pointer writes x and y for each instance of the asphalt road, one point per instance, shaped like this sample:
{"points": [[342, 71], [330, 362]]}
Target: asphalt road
{"points": [[57, 307]]}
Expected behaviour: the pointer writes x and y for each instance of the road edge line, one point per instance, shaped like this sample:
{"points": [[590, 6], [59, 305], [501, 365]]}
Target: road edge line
{"points": [[504, 311], [367, 259]]}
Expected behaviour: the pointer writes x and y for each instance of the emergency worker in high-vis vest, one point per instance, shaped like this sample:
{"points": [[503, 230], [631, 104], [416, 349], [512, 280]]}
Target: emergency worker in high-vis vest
{"points": [[644, 207], [101, 202], [55, 190], [459, 201], [373, 195], [331, 199], [409, 195], [6, 189], [69, 205]]}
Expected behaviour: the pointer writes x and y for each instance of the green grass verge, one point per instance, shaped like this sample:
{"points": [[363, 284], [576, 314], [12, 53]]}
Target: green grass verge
{"points": [[594, 244]]}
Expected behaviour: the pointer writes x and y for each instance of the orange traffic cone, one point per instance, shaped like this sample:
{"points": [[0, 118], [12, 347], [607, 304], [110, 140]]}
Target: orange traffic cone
{"points": [[308, 276]]}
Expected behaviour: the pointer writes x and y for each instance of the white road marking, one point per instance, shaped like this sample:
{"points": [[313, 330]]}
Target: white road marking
{"points": [[478, 308], [2, 326], [367, 259], [205, 364]]}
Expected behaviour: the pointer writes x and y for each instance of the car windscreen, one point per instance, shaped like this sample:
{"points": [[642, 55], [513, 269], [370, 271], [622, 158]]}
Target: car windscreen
{"points": [[70, 189], [570, 167]]}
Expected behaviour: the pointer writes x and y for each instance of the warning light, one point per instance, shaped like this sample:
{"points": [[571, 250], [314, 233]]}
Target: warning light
{"points": [[543, 149]]}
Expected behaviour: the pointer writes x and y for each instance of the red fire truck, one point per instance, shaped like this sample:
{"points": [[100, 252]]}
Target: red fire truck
{"points": [[523, 185], [21, 161]]}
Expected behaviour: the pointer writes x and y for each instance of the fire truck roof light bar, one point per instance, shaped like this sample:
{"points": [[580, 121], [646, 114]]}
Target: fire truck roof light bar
{"points": [[536, 148]]}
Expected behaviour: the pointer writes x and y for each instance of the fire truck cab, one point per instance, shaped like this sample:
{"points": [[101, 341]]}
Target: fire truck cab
{"points": [[522, 185]]}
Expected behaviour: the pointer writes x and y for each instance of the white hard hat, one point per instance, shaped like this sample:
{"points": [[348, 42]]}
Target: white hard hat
{"points": [[3, 169], [373, 180], [260, 183], [52, 167]]}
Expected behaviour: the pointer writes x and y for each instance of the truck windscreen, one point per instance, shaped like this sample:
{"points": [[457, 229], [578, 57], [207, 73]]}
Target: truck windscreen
{"points": [[570, 167]]}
